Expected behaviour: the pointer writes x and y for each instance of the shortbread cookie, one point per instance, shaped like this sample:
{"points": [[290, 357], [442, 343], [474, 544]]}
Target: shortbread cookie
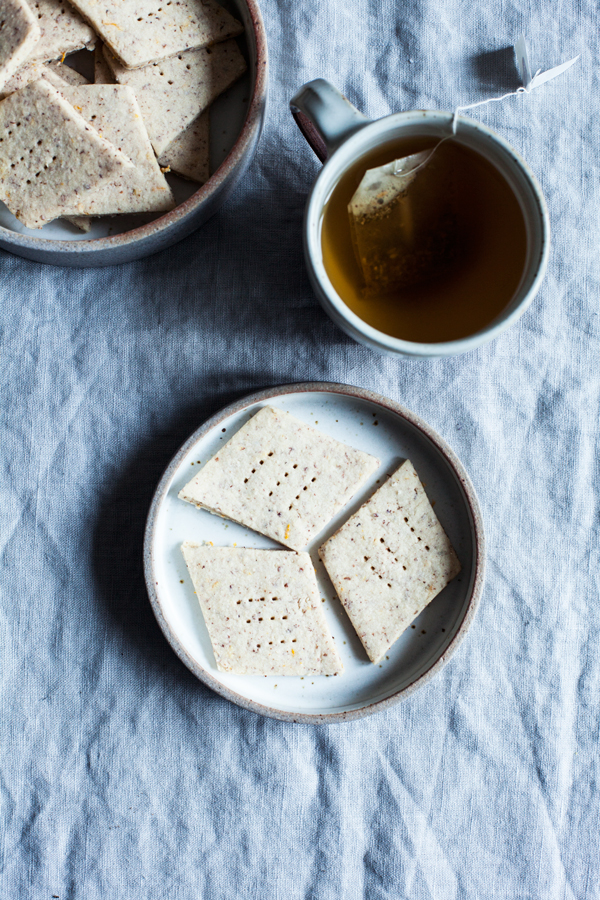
{"points": [[280, 477], [19, 35], [389, 560], [262, 610], [56, 73], [174, 92], [140, 32], [113, 111], [102, 72], [189, 154], [65, 73], [31, 71], [50, 156], [81, 222], [63, 30]]}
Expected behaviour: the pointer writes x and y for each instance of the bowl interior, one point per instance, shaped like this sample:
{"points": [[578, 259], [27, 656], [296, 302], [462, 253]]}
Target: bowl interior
{"points": [[227, 116], [367, 425]]}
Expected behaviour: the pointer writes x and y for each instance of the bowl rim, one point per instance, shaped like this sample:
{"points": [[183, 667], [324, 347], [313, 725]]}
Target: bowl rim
{"points": [[478, 569], [235, 157], [325, 183]]}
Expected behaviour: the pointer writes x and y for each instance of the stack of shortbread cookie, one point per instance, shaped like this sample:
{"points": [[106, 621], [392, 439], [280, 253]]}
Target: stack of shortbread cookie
{"points": [[75, 150], [287, 480]]}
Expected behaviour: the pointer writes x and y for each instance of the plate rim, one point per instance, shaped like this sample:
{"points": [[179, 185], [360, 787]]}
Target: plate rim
{"points": [[474, 510]]}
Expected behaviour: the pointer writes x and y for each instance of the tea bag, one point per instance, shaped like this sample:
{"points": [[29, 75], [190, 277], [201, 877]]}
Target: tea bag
{"points": [[402, 222]]}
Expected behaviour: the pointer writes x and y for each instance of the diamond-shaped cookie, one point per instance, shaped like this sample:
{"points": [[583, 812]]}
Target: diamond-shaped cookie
{"points": [[280, 477], [173, 92], [262, 610], [50, 155], [140, 32], [389, 560]]}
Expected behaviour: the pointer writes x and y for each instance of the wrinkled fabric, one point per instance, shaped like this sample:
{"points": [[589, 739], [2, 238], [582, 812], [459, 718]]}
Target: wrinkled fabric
{"points": [[121, 775]]}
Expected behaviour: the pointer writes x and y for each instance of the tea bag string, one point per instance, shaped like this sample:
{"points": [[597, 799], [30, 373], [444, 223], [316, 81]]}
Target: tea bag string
{"points": [[459, 109], [529, 83]]}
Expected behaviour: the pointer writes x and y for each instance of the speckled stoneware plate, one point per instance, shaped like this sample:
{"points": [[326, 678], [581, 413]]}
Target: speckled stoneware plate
{"points": [[368, 422]]}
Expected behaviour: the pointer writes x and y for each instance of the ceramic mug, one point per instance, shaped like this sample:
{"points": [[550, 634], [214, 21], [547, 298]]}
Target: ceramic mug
{"points": [[339, 134]]}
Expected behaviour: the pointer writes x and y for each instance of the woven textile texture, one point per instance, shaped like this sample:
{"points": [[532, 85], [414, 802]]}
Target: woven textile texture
{"points": [[122, 776]]}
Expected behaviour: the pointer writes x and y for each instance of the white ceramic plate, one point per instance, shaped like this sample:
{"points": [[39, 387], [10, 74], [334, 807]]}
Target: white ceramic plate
{"points": [[368, 422]]}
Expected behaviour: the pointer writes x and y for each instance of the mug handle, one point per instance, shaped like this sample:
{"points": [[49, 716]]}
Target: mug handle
{"points": [[325, 117]]}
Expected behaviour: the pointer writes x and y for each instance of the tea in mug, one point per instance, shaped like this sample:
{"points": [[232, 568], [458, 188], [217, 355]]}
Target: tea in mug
{"points": [[430, 248]]}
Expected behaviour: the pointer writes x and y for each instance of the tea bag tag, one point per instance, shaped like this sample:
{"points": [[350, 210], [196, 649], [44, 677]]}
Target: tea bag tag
{"points": [[530, 82]]}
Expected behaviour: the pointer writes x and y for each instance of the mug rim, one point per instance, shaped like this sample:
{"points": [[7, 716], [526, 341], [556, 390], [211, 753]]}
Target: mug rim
{"points": [[335, 306]]}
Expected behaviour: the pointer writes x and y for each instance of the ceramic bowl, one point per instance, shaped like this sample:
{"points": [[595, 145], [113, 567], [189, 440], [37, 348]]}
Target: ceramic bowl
{"points": [[236, 119]]}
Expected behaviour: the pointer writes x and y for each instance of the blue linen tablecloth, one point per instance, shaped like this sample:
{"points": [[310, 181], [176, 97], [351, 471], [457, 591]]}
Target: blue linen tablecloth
{"points": [[122, 776]]}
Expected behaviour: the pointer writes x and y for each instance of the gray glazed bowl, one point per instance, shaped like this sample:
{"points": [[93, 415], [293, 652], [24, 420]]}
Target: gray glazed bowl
{"points": [[187, 216]]}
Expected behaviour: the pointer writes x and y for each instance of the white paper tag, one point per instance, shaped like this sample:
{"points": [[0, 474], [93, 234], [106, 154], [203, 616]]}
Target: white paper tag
{"points": [[406, 168], [523, 62], [533, 81], [529, 81]]}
